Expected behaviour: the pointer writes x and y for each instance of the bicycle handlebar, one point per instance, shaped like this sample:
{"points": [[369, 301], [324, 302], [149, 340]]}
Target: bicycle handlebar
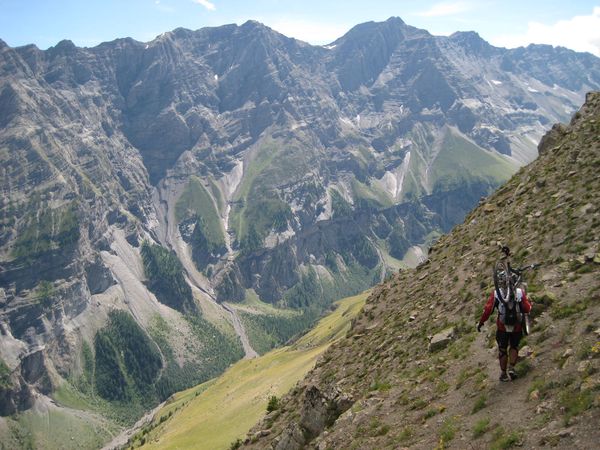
{"points": [[525, 268]]}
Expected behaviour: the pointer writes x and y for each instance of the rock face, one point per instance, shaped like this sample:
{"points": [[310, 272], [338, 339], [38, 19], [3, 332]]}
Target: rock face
{"points": [[405, 396], [305, 172]]}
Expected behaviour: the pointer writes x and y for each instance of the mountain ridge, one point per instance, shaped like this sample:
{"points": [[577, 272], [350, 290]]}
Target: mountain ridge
{"points": [[311, 177]]}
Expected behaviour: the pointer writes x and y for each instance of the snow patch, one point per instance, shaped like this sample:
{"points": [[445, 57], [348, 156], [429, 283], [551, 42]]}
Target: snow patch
{"points": [[330, 47], [496, 82], [216, 77], [530, 89]]}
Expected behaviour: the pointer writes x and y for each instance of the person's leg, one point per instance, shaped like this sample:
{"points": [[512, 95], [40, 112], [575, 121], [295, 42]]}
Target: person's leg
{"points": [[502, 340], [513, 353]]}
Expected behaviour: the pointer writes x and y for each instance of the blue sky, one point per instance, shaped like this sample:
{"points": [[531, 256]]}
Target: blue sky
{"points": [[571, 23]]}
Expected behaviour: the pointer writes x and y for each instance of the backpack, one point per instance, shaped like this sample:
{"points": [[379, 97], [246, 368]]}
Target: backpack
{"points": [[510, 309]]}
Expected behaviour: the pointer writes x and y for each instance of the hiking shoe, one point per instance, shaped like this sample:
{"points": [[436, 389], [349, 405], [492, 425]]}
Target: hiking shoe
{"points": [[512, 374], [504, 377]]}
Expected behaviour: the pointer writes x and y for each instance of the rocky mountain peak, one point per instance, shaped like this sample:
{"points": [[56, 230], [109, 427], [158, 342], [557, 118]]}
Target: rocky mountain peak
{"points": [[471, 41], [249, 166]]}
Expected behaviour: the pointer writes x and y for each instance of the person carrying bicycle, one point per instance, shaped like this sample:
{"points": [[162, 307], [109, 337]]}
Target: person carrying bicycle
{"points": [[510, 322]]}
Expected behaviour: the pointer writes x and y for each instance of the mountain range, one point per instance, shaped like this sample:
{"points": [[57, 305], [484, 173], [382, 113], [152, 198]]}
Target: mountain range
{"points": [[169, 207]]}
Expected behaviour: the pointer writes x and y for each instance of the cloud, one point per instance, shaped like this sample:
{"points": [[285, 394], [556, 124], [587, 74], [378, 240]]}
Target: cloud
{"points": [[313, 32], [445, 9], [207, 4], [580, 33]]}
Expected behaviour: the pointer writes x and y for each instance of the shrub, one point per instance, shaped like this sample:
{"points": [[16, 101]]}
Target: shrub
{"points": [[522, 368], [165, 277], [564, 311], [448, 431], [480, 427], [273, 403], [405, 434], [502, 441], [480, 403], [574, 403], [236, 444]]}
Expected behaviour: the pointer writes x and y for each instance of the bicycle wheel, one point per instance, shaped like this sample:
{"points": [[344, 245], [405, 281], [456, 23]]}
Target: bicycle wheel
{"points": [[502, 280]]}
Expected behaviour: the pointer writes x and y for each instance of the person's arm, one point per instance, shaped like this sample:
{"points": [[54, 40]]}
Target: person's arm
{"points": [[487, 310], [526, 303]]}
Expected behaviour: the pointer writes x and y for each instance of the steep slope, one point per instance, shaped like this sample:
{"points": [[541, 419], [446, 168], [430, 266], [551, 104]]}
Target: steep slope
{"points": [[251, 165], [405, 392], [241, 394]]}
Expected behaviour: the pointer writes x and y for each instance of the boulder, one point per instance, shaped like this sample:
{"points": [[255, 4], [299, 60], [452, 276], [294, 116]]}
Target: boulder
{"points": [[441, 339], [321, 409], [291, 438]]}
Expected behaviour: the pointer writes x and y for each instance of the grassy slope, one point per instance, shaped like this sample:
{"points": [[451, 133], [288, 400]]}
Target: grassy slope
{"points": [[461, 160], [262, 160], [214, 414], [195, 199], [52, 427]]}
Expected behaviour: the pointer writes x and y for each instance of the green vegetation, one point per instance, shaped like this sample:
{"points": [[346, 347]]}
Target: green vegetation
{"points": [[310, 297], [165, 278], [269, 331], [339, 206], [254, 186], [5, 382], [502, 440], [204, 249], [307, 292], [85, 382], [481, 427], [406, 434], [127, 362], [398, 242], [273, 404], [215, 352], [243, 392], [575, 403], [196, 205], [522, 368], [461, 162], [46, 230], [563, 311], [44, 293], [54, 428], [369, 197], [479, 404], [268, 213], [196, 202], [448, 431]]}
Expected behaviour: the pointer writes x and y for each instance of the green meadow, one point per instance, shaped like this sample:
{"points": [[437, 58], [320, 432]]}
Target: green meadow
{"points": [[215, 414]]}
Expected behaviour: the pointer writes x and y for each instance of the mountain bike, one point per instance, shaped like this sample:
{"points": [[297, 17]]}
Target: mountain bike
{"points": [[508, 279]]}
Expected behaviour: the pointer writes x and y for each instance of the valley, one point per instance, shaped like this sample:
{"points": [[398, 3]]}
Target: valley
{"points": [[181, 208]]}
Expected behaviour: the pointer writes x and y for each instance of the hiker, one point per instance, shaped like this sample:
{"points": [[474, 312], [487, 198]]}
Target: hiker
{"points": [[509, 329]]}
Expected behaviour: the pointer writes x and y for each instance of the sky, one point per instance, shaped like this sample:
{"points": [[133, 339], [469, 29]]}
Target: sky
{"points": [[574, 24]]}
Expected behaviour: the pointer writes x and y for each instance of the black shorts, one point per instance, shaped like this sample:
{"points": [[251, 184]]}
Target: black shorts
{"points": [[503, 338]]}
